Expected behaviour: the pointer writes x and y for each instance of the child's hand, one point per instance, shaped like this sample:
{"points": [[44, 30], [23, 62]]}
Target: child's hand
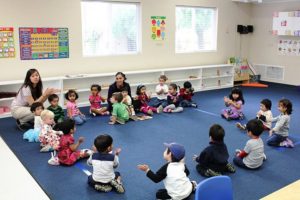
{"points": [[195, 157], [271, 132], [143, 167], [80, 140], [226, 99], [118, 151]]}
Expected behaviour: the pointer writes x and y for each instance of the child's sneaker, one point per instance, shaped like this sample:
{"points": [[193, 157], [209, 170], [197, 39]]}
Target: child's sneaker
{"points": [[289, 143], [194, 105], [103, 188], [160, 109], [133, 117], [150, 112], [210, 173], [54, 159], [118, 186], [85, 153], [230, 168], [240, 126]]}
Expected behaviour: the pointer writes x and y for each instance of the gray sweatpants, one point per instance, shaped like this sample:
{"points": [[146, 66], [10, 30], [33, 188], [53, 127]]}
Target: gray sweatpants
{"points": [[22, 113]]}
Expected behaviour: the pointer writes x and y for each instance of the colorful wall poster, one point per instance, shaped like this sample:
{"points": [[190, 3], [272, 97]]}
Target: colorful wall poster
{"points": [[43, 43], [7, 43], [289, 47], [158, 28], [286, 23]]}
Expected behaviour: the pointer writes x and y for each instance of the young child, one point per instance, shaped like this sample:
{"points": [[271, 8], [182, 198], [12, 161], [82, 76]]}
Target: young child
{"points": [[95, 100], [59, 114], [213, 160], [104, 178], [253, 155], [32, 135], [72, 109], [48, 137], [235, 103], [144, 99], [128, 101], [120, 111], [67, 152], [161, 92], [173, 99], [264, 114], [187, 92], [279, 134], [174, 174]]}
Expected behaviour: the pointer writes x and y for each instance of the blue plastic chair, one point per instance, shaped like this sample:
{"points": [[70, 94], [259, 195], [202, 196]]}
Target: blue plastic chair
{"points": [[215, 188]]}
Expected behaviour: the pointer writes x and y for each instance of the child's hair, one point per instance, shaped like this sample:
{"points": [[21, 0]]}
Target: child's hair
{"points": [[163, 77], [267, 103], [124, 89], [35, 105], [173, 159], [46, 113], [187, 85], [139, 88], [174, 86], [287, 104], [71, 92], [118, 96], [52, 97], [255, 126], [217, 133], [65, 126], [102, 142], [238, 91], [96, 86]]}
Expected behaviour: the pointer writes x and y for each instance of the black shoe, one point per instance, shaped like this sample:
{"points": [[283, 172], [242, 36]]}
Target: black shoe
{"points": [[24, 127]]}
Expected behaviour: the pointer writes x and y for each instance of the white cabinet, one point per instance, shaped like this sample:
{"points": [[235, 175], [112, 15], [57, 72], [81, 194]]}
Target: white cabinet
{"points": [[202, 78]]}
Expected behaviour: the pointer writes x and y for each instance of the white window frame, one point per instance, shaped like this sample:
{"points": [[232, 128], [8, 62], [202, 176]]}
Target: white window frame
{"points": [[216, 31], [111, 53]]}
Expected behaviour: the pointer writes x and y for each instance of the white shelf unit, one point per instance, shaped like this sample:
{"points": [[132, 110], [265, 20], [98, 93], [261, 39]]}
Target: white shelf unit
{"points": [[207, 77]]}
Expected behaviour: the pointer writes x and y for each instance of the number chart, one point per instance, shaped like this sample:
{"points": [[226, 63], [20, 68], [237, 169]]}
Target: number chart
{"points": [[43, 43]]}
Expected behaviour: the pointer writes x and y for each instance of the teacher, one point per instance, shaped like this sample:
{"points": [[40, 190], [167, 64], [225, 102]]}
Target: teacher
{"points": [[118, 86], [31, 91]]}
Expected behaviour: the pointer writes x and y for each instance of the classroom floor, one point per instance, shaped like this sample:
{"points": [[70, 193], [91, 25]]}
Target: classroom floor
{"points": [[142, 142]]}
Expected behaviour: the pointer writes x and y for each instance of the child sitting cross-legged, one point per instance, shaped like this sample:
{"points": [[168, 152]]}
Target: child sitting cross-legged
{"points": [[120, 111], [252, 156], [174, 174], [59, 114], [68, 152], [213, 160], [104, 178]]}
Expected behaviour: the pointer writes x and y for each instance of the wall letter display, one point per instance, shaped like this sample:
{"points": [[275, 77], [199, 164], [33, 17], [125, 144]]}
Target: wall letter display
{"points": [[43, 43], [286, 23]]}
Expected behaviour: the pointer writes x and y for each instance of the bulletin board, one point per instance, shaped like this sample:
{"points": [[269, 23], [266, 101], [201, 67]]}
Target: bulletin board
{"points": [[43, 43], [289, 47], [158, 27], [7, 43], [286, 23]]}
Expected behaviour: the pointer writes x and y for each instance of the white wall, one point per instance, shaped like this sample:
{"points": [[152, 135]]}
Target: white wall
{"points": [[263, 45], [67, 13]]}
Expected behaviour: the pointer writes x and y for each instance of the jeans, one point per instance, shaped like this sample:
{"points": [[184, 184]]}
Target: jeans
{"points": [[155, 102], [79, 119], [275, 140]]}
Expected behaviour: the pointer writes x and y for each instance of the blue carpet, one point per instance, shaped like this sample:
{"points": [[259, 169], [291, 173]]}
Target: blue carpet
{"points": [[142, 142]]}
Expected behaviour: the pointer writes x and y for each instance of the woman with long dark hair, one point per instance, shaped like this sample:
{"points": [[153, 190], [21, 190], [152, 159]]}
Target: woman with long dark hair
{"points": [[118, 86], [31, 91]]}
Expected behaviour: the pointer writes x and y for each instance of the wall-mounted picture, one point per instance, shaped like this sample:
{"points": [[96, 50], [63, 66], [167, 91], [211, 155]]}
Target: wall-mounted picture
{"points": [[43, 43], [7, 43], [158, 27]]}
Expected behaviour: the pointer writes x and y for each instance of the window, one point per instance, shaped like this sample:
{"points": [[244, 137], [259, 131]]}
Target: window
{"points": [[196, 29], [110, 28]]}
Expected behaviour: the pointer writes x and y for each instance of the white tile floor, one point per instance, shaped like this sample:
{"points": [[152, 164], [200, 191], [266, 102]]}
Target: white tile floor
{"points": [[16, 183]]}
